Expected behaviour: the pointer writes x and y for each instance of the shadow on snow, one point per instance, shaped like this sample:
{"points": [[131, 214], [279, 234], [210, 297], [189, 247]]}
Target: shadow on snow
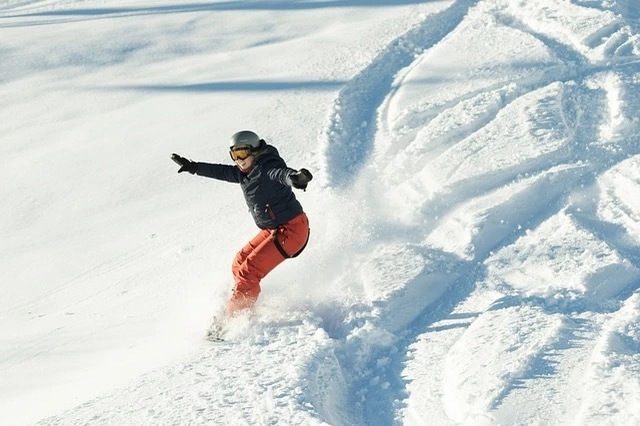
{"points": [[234, 86], [220, 7]]}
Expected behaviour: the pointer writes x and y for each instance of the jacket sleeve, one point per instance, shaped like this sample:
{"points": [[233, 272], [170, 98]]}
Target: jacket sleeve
{"points": [[218, 171], [280, 173]]}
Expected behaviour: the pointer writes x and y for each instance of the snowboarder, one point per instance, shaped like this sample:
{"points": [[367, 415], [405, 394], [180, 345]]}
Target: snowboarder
{"points": [[266, 182]]}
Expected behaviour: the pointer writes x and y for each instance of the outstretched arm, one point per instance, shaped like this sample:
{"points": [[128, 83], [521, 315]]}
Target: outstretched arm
{"points": [[301, 179], [215, 171], [290, 177], [185, 165]]}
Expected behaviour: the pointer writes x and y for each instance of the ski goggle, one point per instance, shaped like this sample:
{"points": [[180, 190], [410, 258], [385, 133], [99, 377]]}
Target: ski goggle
{"points": [[240, 153]]}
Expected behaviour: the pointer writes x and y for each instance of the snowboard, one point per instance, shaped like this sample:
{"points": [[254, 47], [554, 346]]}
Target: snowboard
{"points": [[217, 330], [224, 328]]}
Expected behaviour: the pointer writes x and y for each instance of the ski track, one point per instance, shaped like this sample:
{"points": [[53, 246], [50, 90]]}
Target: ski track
{"points": [[347, 141], [558, 363], [360, 365]]}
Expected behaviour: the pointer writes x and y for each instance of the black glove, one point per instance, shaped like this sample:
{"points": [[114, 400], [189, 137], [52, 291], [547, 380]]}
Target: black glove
{"points": [[300, 179], [185, 165]]}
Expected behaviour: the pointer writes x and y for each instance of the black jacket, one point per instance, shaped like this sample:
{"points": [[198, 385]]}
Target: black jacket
{"points": [[266, 187]]}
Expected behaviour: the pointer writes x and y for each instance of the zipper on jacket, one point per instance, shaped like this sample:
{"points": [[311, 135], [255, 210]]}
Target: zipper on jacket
{"points": [[270, 212]]}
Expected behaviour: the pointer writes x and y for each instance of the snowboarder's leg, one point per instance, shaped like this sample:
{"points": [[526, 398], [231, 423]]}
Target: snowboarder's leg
{"points": [[293, 236], [250, 265], [252, 245], [260, 256]]}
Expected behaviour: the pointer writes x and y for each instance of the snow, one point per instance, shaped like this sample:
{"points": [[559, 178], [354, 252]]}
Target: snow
{"points": [[475, 223]]}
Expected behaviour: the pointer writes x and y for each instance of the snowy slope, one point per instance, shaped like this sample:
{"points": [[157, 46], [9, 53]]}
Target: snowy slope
{"points": [[475, 218]]}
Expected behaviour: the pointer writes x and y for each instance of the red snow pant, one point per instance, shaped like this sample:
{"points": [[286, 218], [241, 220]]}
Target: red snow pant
{"points": [[263, 253]]}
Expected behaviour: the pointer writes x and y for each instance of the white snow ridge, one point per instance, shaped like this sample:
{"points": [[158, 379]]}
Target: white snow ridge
{"points": [[475, 218]]}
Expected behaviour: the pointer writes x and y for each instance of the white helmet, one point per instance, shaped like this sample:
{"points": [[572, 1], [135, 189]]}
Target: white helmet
{"points": [[246, 138]]}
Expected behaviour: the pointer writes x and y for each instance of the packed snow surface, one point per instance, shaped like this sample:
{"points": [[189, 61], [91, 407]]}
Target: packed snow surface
{"points": [[475, 213]]}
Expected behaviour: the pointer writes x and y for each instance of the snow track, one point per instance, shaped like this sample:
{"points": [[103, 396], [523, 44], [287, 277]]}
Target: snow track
{"points": [[347, 141], [467, 201]]}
